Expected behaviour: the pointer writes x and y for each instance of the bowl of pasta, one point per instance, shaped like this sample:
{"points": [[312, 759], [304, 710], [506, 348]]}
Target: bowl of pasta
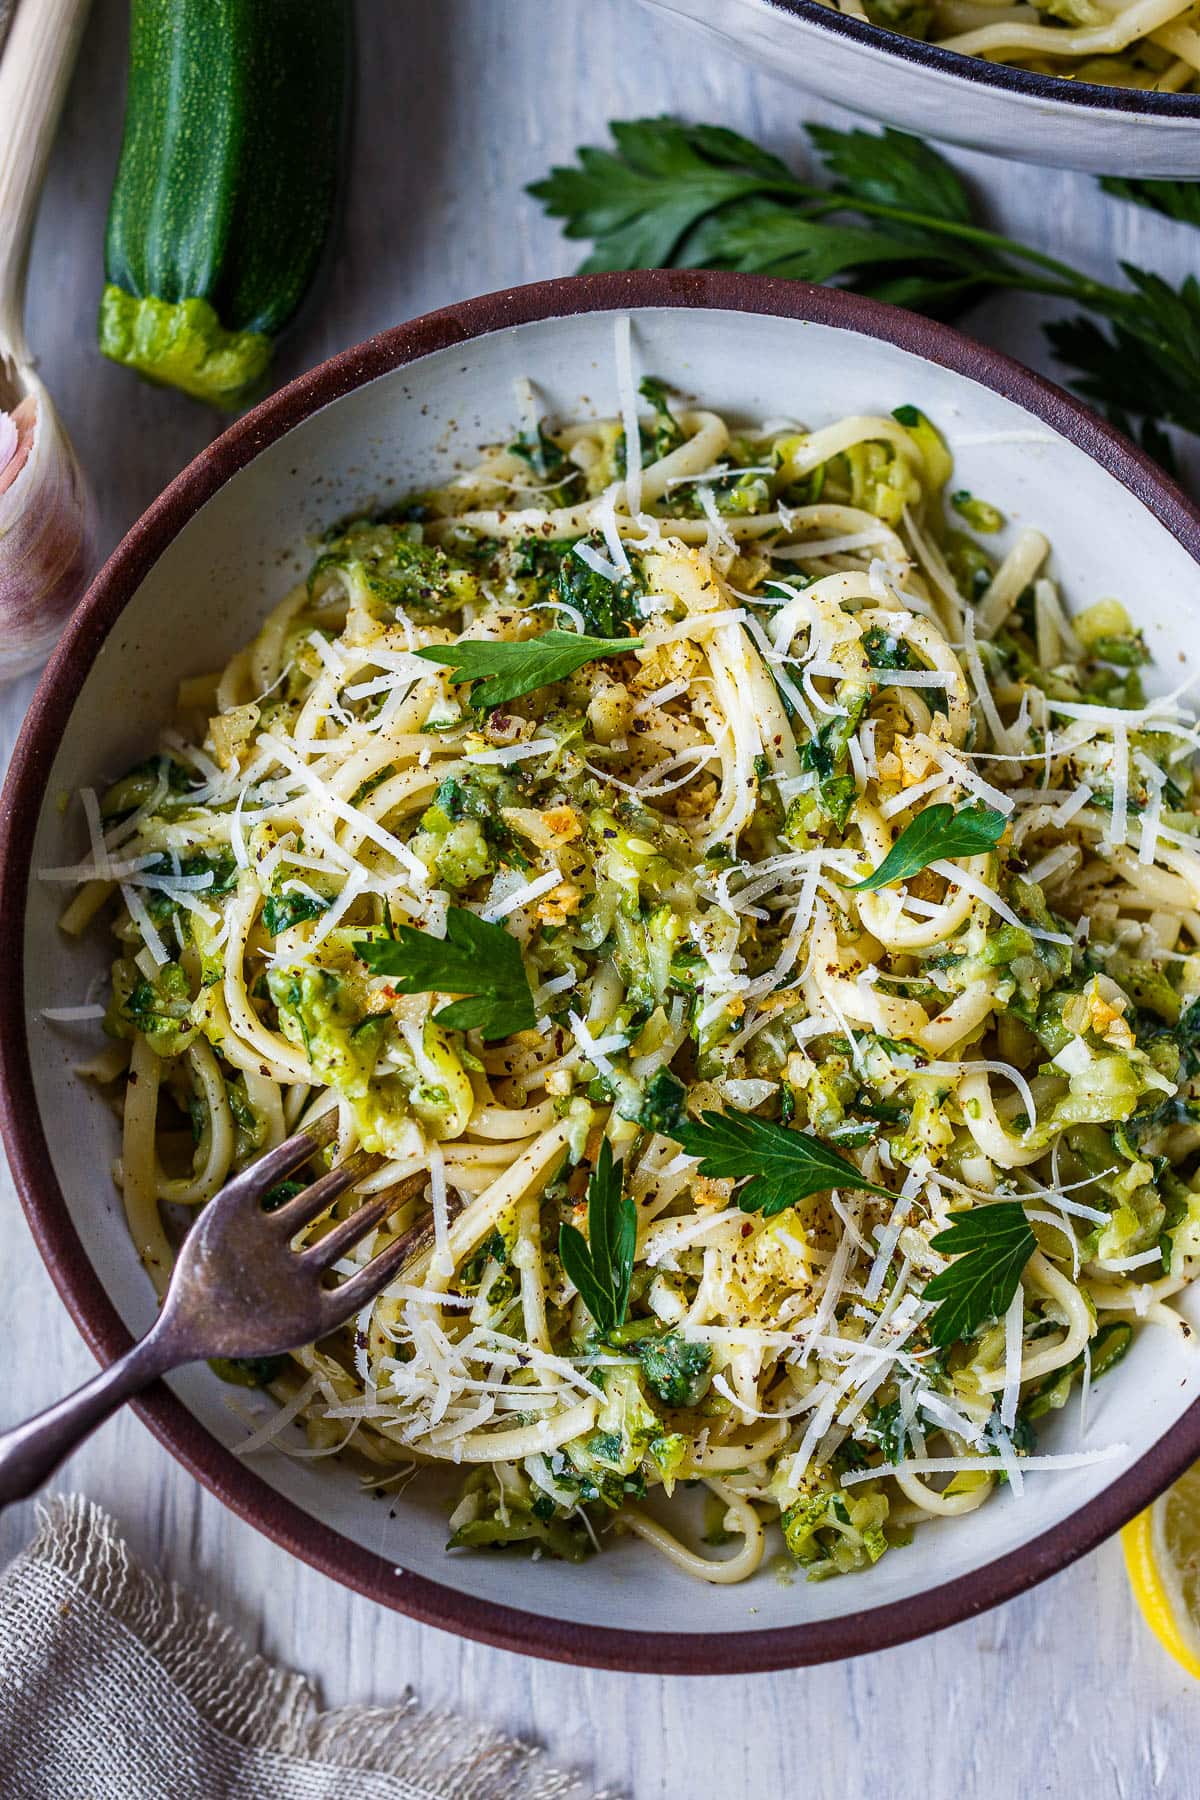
{"points": [[1108, 86], [690, 777]]}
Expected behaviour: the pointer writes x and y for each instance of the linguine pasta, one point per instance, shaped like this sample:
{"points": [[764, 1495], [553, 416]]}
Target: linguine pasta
{"points": [[826, 662], [1150, 44]]}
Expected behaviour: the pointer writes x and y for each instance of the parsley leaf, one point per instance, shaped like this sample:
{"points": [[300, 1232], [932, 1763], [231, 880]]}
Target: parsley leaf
{"points": [[990, 1246], [282, 911], [778, 1166], [677, 1372], [668, 432], [768, 239], [1149, 361], [601, 1265], [935, 834], [476, 959], [605, 606], [507, 671], [662, 1103], [689, 196], [545, 457], [1178, 200], [640, 203], [894, 169], [281, 1193]]}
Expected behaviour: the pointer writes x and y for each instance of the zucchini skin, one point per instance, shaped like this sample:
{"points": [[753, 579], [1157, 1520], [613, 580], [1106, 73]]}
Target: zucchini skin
{"points": [[227, 184]]}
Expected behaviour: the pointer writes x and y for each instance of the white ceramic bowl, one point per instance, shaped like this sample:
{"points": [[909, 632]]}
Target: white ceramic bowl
{"points": [[187, 587], [963, 99]]}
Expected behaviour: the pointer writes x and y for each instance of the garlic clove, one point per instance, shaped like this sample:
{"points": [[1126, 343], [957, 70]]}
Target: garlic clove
{"points": [[47, 531], [9, 439], [21, 422]]}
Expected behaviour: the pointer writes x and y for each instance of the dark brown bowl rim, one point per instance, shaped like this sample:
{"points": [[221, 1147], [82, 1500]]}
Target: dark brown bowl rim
{"points": [[1134, 102], [218, 1468]]}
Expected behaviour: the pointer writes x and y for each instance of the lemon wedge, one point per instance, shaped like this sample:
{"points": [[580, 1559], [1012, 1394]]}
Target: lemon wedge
{"points": [[1162, 1555]]}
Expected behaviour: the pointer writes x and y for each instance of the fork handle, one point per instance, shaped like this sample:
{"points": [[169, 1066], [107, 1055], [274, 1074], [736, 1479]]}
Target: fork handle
{"points": [[30, 1453]]}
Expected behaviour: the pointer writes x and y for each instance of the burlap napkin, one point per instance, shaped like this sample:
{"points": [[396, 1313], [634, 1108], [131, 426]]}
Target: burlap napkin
{"points": [[116, 1686]]}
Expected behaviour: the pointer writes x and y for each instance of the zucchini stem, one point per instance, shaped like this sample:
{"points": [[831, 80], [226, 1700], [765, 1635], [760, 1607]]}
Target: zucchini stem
{"points": [[182, 343]]}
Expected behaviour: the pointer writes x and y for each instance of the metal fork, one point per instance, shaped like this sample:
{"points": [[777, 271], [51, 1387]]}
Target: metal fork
{"points": [[238, 1289]]}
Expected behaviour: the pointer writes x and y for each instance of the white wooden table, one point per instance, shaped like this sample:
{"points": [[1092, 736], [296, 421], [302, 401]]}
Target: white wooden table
{"points": [[460, 103]]}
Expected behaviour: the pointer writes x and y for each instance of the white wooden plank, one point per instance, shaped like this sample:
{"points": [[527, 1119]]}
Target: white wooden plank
{"points": [[461, 103]]}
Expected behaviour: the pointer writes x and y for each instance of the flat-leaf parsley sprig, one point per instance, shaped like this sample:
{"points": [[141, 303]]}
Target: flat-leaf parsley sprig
{"points": [[899, 223], [776, 1165], [601, 1265], [933, 836], [505, 671], [990, 1246], [476, 959]]}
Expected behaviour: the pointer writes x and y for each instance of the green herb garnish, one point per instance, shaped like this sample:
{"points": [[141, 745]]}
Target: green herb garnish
{"points": [[663, 1103], [677, 1372], [507, 671], [281, 1193], [546, 458], [1178, 200], [282, 911], [601, 1265], [778, 1166], [990, 1246], [933, 836], [476, 959]]}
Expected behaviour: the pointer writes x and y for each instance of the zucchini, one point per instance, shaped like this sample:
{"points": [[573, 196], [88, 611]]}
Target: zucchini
{"points": [[226, 186]]}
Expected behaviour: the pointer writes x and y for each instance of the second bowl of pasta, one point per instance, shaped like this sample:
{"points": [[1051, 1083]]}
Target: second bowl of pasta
{"points": [[1112, 89]]}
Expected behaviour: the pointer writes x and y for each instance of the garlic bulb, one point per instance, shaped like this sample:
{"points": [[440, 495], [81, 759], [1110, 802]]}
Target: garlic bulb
{"points": [[46, 513], [47, 531]]}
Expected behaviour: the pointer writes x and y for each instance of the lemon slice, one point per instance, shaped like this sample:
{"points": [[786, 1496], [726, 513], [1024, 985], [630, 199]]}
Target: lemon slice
{"points": [[1162, 1555]]}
